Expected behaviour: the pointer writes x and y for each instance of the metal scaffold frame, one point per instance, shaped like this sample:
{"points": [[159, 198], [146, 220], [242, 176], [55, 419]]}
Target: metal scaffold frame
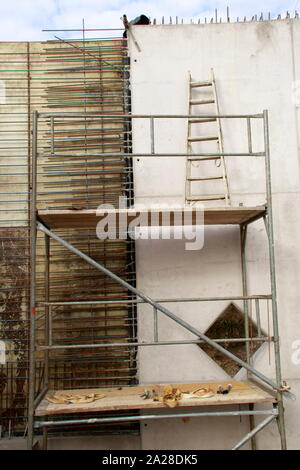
{"points": [[277, 386]]}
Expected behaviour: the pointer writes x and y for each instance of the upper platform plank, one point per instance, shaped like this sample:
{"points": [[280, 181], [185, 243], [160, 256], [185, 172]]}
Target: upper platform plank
{"points": [[88, 218]]}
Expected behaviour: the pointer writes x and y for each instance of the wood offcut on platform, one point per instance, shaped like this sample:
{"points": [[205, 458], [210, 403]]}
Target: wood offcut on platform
{"points": [[88, 218], [129, 398]]}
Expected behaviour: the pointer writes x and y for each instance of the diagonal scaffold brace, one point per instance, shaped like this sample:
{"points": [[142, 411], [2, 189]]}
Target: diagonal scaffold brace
{"points": [[164, 310]]}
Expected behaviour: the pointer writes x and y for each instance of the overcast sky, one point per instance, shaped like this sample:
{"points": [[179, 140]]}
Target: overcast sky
{"points": [[23, 20]]}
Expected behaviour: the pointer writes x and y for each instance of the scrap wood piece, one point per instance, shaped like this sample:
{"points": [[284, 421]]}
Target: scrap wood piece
{"points": [[171, 396], [200, 393], [147, 394], [66, 398], [168, 395]]}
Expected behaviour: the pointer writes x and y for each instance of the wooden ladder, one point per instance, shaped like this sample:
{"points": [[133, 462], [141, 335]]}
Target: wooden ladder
{"points": [[190, 196]]}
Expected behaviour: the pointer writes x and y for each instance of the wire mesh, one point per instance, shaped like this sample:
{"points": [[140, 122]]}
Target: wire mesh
{"points": [[81, 76]]}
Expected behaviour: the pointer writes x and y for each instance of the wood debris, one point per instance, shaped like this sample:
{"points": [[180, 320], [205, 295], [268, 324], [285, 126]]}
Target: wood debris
{"points": [[223, 390], [200, 393], [67, 399], [170, 395]]}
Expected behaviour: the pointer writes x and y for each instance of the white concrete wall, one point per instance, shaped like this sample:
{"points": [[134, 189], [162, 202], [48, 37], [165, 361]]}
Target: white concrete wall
{"points": [[126, 442], [256, 66]]}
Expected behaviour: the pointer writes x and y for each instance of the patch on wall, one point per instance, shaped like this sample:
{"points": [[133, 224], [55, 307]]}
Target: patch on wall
{"points": [[230, 324]]}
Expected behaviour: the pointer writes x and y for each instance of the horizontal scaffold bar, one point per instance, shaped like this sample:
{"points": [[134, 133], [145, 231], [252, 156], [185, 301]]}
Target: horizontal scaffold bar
{"points": [[155, 116], [144, 155], [153, 343], [136, 301], [39, 424]]}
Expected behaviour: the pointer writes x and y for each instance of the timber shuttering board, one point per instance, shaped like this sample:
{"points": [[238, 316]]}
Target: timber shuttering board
{"points": [[58, 77], [57, 219]]}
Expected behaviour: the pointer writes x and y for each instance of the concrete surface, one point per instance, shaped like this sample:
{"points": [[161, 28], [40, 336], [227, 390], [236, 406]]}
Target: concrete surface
{"points": [[78, 443], [256, 67]]}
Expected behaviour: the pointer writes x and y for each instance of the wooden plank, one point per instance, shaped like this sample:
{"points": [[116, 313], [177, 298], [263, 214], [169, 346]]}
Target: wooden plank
{"points": [[87, 218], [129, 398]]}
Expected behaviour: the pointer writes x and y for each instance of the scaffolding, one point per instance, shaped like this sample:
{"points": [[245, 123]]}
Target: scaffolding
{"points": [[257, 389]]}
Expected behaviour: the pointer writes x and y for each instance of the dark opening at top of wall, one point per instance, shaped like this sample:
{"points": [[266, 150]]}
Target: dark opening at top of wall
{"points": [[142, 19]]}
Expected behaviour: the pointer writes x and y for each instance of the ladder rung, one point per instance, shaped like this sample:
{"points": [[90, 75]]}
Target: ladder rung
{"points": [[203, 138], [211, 157], [207, 178], [199, 84], [208, 101], [206, 198], [197, 121]]}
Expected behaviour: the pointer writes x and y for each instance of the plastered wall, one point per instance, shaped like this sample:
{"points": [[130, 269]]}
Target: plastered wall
{"points": [[256, 67]]}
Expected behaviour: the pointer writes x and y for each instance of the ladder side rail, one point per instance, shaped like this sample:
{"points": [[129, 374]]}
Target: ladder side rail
{"points": [[220, 140], [188, 172]]}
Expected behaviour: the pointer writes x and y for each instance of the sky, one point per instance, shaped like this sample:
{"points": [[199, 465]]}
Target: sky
{"points": [[24, 20]]}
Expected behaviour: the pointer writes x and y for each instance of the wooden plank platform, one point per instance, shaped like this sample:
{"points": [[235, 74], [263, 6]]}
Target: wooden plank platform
{"points": [[88, 218], [129, 398]]}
